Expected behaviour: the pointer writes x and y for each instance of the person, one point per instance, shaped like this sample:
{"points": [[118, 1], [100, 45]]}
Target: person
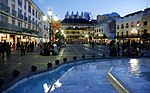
{"points": [[22, 49], [118, 49], [3, 49]]}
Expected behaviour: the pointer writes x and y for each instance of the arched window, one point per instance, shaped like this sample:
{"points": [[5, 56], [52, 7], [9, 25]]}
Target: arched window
{"points": [[138, 24], [117, 26], [127, 25], [132, 24], [145, 23]]}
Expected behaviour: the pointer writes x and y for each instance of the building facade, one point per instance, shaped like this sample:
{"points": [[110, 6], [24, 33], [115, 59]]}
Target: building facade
{"points": [[20, 21], [146, 24], [105, 29], [76, 28], [132, 26]]}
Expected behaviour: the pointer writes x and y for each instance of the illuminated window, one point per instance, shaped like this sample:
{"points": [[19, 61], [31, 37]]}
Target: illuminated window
{"points": [[138, 23], [132, 24]]}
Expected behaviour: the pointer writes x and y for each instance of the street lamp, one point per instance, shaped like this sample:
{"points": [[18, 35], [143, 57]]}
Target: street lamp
{"points": [[49, 19]]}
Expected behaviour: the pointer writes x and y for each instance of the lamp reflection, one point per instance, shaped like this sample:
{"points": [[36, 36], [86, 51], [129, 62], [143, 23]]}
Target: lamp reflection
{"points": [[47, 89], [135, 67]]}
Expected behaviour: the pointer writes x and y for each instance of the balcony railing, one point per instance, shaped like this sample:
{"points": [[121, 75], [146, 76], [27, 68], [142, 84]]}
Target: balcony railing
{"points": [[4, 8], [14, 12], [10, 27]]}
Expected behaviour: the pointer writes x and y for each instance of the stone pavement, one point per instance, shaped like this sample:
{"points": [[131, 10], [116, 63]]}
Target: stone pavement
{"points": [[24, 63]]}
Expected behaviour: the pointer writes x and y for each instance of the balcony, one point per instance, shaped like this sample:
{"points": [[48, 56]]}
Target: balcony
{"points": [[4, 8], [20, 16], [10, 27], [14, 12], [129, 36]]}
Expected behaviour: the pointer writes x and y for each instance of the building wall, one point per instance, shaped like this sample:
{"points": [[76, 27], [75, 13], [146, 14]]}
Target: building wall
{"points": [[18, 24], [130, 31]]}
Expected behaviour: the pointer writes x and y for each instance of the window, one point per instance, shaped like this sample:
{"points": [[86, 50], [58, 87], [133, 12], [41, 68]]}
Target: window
{"points": [[117, 26], [126, 33], [122, 26], [29, 8], [13, 21], [117, 34], [36, 14], [4, 2], [3, 18], [145, 23], [25, 4], [33, 12], [132, 24], [138, 24], [29, 19], [19, 24], [127, 25], [20, 3]]}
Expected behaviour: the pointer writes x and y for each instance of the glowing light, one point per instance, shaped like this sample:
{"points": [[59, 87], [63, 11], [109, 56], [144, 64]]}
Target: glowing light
{"points": [[57, 84], [55, 18], [135, 67], [50, 12], [86, 35], [45, 18]]}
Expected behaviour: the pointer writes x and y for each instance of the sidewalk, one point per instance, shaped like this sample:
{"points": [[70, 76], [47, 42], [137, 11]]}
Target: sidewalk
{"points": [[23, 63]]}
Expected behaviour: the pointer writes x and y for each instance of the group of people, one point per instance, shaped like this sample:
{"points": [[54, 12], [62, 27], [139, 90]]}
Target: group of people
{"points": [[48, 48], [5, 49], [129, 48]]}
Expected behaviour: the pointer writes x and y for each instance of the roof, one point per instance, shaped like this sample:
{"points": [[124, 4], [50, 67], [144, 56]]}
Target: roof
{"points": [[76, 21]]}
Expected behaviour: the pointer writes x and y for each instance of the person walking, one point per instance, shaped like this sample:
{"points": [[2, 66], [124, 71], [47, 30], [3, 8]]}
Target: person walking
{"points": [[22, 49]]}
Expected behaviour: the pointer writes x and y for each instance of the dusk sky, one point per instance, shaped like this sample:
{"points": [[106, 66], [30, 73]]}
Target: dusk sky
{"points": [[122, 7]]}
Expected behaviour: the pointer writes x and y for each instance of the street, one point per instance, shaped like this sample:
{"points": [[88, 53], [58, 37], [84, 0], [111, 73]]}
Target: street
{"points": [[24, 63]]}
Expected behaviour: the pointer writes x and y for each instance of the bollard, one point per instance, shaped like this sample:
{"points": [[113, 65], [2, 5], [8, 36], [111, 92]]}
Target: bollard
{"points": [[93, 56], [74, 58], [33, 68], [49, 65], [1, 81], [83, 56], [103, 55], [65, 59], [16, 73], [57, 62]]}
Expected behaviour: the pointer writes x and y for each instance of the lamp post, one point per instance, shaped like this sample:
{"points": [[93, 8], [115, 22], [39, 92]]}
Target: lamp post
{"points": [[49, 19]]}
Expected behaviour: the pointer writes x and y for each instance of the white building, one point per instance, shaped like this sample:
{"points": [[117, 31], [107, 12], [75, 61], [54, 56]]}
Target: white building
{"points": [[20, 21], [105, 29], [129, 27]]}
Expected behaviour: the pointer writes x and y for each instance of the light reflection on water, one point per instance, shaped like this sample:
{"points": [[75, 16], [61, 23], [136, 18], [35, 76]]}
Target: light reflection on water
{"points": [[135, 67]]}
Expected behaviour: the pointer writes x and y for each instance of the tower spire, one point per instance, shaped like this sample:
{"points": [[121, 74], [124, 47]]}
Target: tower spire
{"points": [[67, 15]]}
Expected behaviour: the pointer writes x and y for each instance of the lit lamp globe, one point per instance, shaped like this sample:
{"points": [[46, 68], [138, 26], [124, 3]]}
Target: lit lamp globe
{"points": [[45, 18], [50, 12], [55, 18]]}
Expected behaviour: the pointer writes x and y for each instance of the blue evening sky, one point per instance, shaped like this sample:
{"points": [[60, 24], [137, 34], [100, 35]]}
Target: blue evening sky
{"points": [[123, 7]]}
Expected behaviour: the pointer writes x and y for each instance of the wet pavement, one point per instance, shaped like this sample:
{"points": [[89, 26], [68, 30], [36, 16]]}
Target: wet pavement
{"points": [[24, 63]]}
